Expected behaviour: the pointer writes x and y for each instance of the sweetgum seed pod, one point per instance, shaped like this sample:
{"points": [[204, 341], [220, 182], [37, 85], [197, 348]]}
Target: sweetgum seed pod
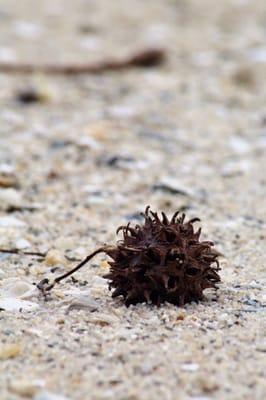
{"points": [[162, 260]]}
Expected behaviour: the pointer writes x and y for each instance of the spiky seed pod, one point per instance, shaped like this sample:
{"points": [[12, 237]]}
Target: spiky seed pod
{"points": [[162, 260]]}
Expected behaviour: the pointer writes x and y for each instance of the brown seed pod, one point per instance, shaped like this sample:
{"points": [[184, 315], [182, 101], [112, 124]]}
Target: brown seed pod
{"points": [[161, 260]]}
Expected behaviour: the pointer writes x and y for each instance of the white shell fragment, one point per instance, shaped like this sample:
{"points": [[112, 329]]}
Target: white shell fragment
{"points": [[189, 367], [10, 222], [83, 302], [13, 304], [22, 244], [15, 287], [15, 293], [49, 396]]}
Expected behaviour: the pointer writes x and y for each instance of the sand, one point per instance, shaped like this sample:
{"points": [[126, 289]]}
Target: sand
{"points": [[90, 155]]}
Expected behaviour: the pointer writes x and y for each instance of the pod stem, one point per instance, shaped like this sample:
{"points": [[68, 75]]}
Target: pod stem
{"points": [[44, 285]]}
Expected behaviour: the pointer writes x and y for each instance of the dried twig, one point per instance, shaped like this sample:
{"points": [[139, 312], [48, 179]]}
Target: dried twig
{"points": [[33, 253], [26, 253], [148, 57]]}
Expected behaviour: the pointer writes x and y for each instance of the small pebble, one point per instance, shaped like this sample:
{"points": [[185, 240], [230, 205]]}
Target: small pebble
{"points": [[31, 95], [10, 350], [26, 388], [54, 257], [207, 383], [10, 197], [261, 346], [102, 319]]}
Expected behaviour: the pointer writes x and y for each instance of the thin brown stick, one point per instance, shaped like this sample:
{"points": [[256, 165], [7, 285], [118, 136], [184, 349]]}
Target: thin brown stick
{"points": [[144, 58], [26, 253], [33, 253], [44, 285]]}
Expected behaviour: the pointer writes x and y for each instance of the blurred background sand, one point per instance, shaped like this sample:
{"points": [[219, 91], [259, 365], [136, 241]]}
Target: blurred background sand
{"points": [[89, 152]]}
